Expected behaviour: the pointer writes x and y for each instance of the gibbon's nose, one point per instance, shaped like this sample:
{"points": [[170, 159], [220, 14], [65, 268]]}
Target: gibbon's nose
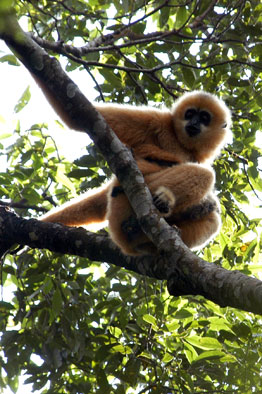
{"points": [[193, 126], [193, 129]]}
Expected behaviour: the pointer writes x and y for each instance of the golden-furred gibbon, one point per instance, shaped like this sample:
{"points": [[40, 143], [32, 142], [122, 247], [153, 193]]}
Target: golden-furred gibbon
{"points": [[174, 149]]}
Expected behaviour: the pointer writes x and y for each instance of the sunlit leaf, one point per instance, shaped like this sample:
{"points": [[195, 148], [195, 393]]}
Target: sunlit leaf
{"points": [[150, 319], [63, 179], [205, 343], [210, 354], [23, 101]]}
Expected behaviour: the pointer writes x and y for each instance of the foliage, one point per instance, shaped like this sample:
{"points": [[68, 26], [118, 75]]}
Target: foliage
{"points": [[102, 329]]}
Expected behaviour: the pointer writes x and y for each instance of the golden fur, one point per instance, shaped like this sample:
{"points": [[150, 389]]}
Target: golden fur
{"points": [[170, 147], [184, 187]]}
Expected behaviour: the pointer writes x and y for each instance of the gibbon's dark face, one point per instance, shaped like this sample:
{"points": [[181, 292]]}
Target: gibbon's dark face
{"points": [[201, 123], [195, 119]]}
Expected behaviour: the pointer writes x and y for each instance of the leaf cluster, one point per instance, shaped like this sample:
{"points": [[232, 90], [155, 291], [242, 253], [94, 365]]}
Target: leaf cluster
{"points": [[96, 328]]}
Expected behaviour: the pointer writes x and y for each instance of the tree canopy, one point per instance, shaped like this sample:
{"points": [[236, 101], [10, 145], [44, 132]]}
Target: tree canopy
{"points": [[93, 325]]}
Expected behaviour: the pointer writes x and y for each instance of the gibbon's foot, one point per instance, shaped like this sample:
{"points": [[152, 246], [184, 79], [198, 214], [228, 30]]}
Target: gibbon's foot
{"points": [[164, 200], [198, 211], [201, 210], [131, 228], [116, 191]]}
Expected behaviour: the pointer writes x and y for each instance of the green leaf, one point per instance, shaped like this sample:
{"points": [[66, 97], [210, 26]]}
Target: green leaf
{"points": [[190, 353], [115, 331], [57, 302], [13, 383], [122, 349], [183, 314], [224, 240], [150, 319], [219, 324], [132, 371], [210, 354], [167, 358], [5, 135], [205, 343], [181, 17], [189, 76], [173, 326], [10, 59], [81, 173], [63, 179], [23, 101], [86, 161], [5, 306], [164, 16], [255, 178]]}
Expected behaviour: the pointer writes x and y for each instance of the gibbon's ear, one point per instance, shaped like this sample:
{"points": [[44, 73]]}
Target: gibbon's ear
{"points": [[202, 123]]}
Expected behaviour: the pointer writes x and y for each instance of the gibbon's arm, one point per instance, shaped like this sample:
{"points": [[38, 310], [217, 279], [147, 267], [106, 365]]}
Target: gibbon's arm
{"points": [[85, 209], [135, 125]]}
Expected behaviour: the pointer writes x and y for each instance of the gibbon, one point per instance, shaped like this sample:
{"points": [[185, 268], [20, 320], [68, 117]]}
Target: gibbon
{"points": [[171, 148]]}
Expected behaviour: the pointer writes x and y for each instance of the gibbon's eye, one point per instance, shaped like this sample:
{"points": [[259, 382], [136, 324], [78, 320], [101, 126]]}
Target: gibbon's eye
{"points": [[190, 112], [204, 117]]}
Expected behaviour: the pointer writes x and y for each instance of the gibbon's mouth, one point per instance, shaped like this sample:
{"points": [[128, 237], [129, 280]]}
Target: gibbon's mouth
{"points": [[193, 130]]}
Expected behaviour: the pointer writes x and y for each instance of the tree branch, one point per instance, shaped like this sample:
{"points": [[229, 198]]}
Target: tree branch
{"points": [[190, 276]]}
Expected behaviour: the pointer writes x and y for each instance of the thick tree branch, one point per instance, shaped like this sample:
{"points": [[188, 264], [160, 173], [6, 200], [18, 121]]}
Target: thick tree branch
{"points": [[192, 276]]}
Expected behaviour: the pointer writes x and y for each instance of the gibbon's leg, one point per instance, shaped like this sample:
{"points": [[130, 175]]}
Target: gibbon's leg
{"points": [[83, 210], [197, 233], [119, 212], [189, 183], [209, 204], [197, 224]]}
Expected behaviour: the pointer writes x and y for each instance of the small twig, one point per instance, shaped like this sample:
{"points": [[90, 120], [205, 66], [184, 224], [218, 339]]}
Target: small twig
{"points": [[199, 19], [22, 205]]}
